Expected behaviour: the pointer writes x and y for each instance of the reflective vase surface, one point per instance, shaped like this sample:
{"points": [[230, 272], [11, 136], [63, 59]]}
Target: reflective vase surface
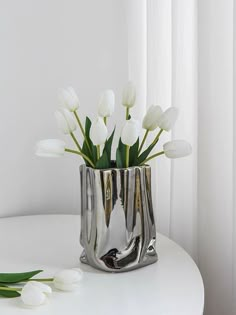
{"points": [[117, 223]]}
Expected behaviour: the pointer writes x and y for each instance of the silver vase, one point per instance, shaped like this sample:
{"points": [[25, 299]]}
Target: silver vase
{"points": [[117, 223]]}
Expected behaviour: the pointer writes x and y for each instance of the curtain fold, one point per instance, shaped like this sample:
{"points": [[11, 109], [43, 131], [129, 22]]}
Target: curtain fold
{"points": [[189, 64], [184, 96], [215, 154], [163, 64], [159, 69]]}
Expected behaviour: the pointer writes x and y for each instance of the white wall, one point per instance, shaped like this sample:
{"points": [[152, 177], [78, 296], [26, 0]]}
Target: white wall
{"points": [[215, 155], [46, 45]]}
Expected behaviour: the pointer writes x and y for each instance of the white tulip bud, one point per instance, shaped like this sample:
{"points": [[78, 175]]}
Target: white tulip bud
{"points": [[50, 148], [168, 118], [106, 104], [65, 121], [177, 149], [69, 99], [129, 95], [98, 131], [130, 132], [151, 119], [35, 293], [68, 280]]}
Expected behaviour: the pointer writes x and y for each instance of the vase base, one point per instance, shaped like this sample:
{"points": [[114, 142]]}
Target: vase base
{"points": [[115, 265]]}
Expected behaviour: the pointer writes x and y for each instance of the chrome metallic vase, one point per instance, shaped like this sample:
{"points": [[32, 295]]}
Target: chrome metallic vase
{"points": [[117, 223]]}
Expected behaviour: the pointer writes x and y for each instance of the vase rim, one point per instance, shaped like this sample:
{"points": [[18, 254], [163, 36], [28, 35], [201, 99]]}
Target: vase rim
{"points": [[116, 168]]}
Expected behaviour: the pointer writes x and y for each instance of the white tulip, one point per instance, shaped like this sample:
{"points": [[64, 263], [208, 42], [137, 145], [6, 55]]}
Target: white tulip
{"points": [[130, 132], [129, 95], [106, 103], [50, 148], [151, 119], [98, 131], [177, 149], [65, 121], [35, 293], [168, 118], [68, 280], [69, 99]]}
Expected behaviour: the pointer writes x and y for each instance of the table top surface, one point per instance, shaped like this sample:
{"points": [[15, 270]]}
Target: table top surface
{"points": [[172, 286]]}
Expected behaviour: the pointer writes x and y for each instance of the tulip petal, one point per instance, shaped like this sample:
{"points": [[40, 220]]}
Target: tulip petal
{"points": [[106, 104], [68, 280], [50, 148], [46, 289], [168, 118], [32, 295], [69, 99], [98, 131], [151, 119], [130, 132], [65, 121], [129, 95], [177, 149]]}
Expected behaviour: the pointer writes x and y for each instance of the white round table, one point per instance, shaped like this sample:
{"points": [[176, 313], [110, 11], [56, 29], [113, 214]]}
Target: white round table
{"points": [[172, 286]]}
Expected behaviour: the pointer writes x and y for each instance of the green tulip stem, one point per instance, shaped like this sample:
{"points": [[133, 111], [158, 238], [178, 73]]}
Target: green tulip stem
{"points": [[82, 130], [98, 152], [81, 154], [143, 141], [152, 157], [105, 120], [127, 156], [154, 142], [75, 141], [157, 137], [40, 280], [127, 113], [10, 289]]}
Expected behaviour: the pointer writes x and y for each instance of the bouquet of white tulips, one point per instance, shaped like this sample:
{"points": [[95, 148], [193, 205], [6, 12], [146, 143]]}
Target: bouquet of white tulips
{"points": [[95, 146]]}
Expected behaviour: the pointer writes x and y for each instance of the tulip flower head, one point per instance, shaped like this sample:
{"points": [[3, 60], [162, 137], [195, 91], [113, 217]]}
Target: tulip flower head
{"points": [[35, 293], [129, 95], [151, 119], [65, 121], [98, 131], [50, 148], [168, 118], [69, 99], [106, 104], [130, 132], [68, 280], [177, 149]]}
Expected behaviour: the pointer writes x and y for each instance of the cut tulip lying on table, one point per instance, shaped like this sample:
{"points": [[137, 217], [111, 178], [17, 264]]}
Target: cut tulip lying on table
{"points": [[35, 291]]}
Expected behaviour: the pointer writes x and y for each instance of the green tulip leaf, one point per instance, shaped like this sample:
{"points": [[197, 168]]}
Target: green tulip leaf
{"points": [[122, 149], [118, 159], [103, 162], [133, 154], [108, 146], [145, 154], [92, 155], [17, 277], [8, 294]]}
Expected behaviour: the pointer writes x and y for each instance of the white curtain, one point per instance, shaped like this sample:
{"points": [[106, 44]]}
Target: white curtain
{"points": [[215, 154], [187, 62], [162, 61]]}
